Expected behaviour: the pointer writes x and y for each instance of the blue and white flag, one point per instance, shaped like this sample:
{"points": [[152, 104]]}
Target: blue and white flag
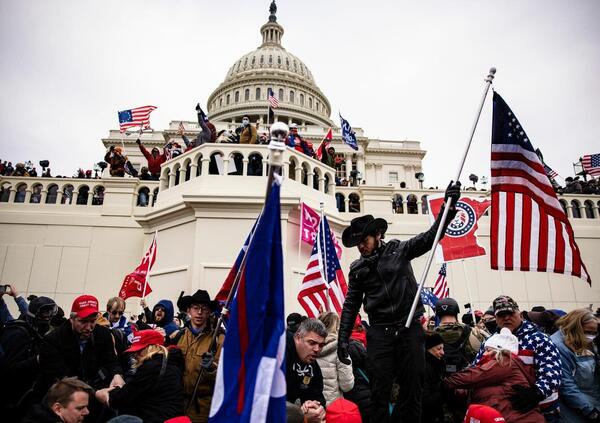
{"points": [[250, 384], [428, 298], [348, 134]]}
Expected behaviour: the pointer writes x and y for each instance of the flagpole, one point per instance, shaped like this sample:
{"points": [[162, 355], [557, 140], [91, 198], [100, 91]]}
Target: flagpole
{"points": [[324, 253], [300, 232], [279, 131], [147, 274], [438, 234], [469, 292]]}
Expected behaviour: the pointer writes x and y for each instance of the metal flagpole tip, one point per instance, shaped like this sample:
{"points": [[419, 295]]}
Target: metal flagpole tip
{"points": [[279, 132], [491, 75]]}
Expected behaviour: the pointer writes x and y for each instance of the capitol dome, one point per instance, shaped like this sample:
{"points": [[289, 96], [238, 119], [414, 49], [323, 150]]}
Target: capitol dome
{"points": [[270, 66]]}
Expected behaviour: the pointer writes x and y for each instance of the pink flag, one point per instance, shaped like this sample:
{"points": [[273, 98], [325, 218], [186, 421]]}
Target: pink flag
{"points": [[309, 227], [460, 241]]}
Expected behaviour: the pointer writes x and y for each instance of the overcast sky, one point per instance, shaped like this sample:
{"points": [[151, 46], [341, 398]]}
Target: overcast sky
{"points": [[398, 69]]}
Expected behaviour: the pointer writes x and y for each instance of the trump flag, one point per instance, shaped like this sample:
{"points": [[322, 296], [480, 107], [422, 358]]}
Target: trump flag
{"points": [[250, 384], [309, 227], [460, 239], [135, 283]]}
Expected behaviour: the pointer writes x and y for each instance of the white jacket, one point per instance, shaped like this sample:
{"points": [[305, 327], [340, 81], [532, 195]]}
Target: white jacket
{"points": [[337, 376]]}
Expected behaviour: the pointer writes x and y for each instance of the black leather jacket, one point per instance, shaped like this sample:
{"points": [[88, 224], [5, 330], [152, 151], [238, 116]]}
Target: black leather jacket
{"points": [[385, 283]]}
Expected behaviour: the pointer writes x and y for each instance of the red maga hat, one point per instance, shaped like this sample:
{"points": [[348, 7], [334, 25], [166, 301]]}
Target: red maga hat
{"points": [[84, 306], [144, 338]]}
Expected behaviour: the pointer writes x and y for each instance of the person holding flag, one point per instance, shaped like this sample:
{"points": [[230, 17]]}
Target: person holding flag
{"points": [[382, 280]]}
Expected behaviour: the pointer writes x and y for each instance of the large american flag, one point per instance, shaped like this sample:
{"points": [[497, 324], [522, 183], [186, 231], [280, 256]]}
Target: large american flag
{"points": [[140, 116], [272, 99], [440, 288], [591, 164], [324, 287], [529, 230]]}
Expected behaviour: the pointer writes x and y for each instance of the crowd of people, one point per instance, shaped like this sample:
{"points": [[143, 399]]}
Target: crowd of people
{"points": [[578, 186]]}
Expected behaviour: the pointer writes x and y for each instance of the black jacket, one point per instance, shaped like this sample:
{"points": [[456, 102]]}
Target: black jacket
{"points": [[60, 356], [360, 394], [433, 393], [304, 381], [40, 413], [150, 397], [385, 283]]}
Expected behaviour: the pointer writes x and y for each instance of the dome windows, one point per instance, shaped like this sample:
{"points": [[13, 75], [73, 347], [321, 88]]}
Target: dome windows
{"points": [[287, 62], [237, 96], [309, 102], [247, 94], [257, 97], [280, 94], [262, 59], [270, 59], [279, 60], [291, 96], [302, 100], [227, 99], [253, 60]]}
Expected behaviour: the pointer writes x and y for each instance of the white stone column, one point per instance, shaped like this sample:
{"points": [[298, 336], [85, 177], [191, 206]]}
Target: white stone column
{"points": [[27, 195], [172, 177], [347, 204], [44, 196], [322, 184], [182, 173], [298, 175], [150, 198], [569, 211], [90, 197], [204, 165], [245, 167], [193, 170], [74, 195]]}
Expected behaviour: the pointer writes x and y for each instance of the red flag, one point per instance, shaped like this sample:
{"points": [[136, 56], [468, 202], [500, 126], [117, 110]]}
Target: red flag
{"points": [[324, 144], [309, 226], [460, 240], [134, 283]]}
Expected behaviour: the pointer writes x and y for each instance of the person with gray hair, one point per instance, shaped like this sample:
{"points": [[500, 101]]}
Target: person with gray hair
{"points": [[304, 379]]}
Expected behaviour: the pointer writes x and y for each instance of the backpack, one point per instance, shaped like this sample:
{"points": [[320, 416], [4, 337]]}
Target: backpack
{"points": [[455, 354]]}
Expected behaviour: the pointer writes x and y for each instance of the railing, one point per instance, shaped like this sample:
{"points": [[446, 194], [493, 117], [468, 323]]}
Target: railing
{"points": [[69, 191], [231, 160]]}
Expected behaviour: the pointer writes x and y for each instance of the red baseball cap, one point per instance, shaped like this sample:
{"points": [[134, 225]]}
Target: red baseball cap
{"points": [[144, 338], [478, 413], [84, 306], [343, 411]]}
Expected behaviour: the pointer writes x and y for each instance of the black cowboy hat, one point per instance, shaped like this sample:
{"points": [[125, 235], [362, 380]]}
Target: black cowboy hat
{"points": [[199, 297], [360, 227]]}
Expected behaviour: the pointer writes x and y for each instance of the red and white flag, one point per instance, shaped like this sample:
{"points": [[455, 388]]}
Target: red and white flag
{"points": [[324, 285], [529, 229], [440, 288], [309, 226], [324, 144], [460, 239], [136, 283]]}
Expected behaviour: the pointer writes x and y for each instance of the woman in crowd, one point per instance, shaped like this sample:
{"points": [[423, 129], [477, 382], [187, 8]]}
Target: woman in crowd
{"points": [[337, 376], [579, 392], [155, 392], [492, 382], [433, 411]]}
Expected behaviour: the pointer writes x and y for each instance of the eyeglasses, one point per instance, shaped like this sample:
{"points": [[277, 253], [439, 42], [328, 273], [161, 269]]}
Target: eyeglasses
{"points": [[201, 309]]}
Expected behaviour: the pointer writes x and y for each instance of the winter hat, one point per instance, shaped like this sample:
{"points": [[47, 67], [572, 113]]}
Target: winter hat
{"points": [[504, 340], [433, 340], [342, 411], [478, 413]]}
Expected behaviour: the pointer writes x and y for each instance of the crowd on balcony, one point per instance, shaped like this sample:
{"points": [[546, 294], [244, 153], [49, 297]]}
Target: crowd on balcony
{"points": [[578, 186], [93, 364]]}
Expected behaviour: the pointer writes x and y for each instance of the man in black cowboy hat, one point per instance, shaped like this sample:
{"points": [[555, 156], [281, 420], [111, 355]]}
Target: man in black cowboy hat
{"points": [[382, 280], [194, 343]]}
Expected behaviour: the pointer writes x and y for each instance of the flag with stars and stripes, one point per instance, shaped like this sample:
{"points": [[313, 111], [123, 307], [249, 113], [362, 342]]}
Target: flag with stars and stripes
{"points": [[428, 298], [324, 286], [591, 164], [529, 229], [551, 173], [440, 288], [139, 116], [348, 134], [273, 101]]}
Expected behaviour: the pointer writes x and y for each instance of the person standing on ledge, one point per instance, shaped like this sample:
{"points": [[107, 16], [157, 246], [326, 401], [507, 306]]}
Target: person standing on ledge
{"points": [[382, 280]]}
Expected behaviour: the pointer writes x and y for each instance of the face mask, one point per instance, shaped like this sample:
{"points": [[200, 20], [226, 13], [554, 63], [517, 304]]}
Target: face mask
{"points": [[491, 326], [245, 122]]}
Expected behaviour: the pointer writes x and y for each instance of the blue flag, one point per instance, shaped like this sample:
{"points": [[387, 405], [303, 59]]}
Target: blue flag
{"points": [[428, 298], [250, 384], [348, 134]]}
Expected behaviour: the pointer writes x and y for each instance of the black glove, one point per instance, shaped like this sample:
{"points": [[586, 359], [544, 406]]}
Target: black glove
{"points": [[525, 399], [594, 416], [342, 352], [207, 360], [452, 193], [138, 142]]}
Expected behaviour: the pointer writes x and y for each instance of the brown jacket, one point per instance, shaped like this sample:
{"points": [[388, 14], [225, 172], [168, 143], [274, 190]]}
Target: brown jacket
{"points": [[492, 384], [193, 346], [248, 135]]}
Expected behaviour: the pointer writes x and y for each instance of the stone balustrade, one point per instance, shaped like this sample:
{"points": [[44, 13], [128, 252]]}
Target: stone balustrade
{"points": [[231, 160]]}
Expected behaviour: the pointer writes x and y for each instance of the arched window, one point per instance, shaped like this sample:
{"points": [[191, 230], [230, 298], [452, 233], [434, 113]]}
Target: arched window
{"points": [[257, 97], [52, 194], [279, 60], [36, 193], [575, 209], [317, 105], [262, 59], [4, 193], [411, 204], [302, 99], [287, 62], [280, 98], [20, 195], [589, 209], [67, 196], [253, 60], [98, 196], [354, 203], [291, 96], [247, 94], [227, 99], [82, 194], [270, 59], [310, 102], [398, 204], [143, 197], [424, 205], [563, 204], [292, 170], [237, 96], [255, 165], [304, 174], [220, 101], [340, 202]]}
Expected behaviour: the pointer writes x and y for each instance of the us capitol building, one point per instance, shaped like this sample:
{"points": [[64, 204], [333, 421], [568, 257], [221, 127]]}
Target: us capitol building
{"points": [[63, 237]]}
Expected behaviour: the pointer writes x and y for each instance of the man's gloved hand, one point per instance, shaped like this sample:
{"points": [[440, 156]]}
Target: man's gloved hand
{"points": [[138, 142], [342, 352], [207, 360], [452, 192], [525, 399]]}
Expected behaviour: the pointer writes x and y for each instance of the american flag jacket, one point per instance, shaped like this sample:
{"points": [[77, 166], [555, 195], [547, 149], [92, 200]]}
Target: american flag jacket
{"points": [[537, 350]]}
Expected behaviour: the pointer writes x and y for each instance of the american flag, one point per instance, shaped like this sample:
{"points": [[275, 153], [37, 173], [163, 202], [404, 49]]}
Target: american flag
{"points": [[591, 164], [324, 286], [440, 288], [551, 173], [272, 99], [140, 116], [529, 229]]}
